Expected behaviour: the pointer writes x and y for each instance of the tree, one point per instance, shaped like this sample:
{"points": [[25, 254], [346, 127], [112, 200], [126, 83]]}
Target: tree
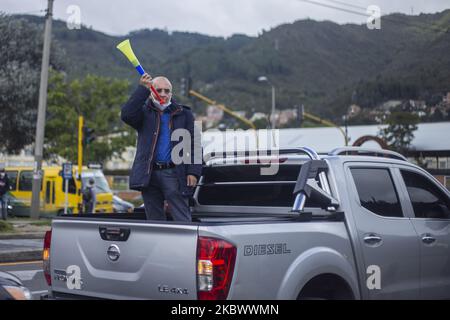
{"points": [[20, 66], [292, 123], [400, 130], [98, 100], [437, 116], [261, 123]]}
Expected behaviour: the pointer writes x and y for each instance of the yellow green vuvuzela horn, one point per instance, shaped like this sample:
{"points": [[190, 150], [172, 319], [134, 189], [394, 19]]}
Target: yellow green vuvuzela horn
{"points": [[125, 48]]}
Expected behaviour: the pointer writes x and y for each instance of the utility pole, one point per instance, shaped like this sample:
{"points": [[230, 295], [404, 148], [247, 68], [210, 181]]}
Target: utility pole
{"points": [[40, 126]]}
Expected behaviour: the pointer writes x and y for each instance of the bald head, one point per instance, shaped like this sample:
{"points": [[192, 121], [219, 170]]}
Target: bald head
{"points": [[161, 81]]}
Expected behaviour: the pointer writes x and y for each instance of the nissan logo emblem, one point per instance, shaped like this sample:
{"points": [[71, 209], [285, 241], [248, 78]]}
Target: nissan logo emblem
{"points": [[113, 252]]}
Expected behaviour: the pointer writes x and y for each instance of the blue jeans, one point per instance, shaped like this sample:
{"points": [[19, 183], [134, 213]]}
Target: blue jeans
{"points": [[3, 207], [164, 185], [89, 207]]}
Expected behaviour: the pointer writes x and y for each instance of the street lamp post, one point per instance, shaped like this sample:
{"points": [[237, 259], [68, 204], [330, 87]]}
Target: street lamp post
{"points": [[273, 107], [265, 79]]}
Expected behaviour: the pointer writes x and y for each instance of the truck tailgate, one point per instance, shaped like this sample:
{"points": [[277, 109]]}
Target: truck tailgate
{"points": [[156, 261]]}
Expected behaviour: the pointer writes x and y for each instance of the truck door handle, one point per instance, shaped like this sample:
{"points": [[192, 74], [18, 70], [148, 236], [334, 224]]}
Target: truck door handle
{"points": [[428, 239], [114, 234], [372, 239]]}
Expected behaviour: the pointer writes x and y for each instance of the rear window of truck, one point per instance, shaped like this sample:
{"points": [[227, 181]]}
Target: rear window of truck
{"points": [[243, 185]]}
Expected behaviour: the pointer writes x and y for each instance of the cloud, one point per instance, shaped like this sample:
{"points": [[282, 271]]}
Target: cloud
{"points": [[213, 17]]}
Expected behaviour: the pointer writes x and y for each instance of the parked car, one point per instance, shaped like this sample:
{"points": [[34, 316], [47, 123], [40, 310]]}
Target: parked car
{"points": [[11, 288], [353, 224], [120, 205]]}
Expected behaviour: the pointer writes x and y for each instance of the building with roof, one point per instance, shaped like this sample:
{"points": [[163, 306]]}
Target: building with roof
{"points": [[429, 148]]}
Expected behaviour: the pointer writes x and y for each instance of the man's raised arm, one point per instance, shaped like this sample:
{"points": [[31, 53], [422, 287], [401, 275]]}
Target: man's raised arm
{"points": [[131, 112]]}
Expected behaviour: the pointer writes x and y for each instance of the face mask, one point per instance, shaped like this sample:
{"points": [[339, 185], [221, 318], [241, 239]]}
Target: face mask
{"points": [[161, 106]]}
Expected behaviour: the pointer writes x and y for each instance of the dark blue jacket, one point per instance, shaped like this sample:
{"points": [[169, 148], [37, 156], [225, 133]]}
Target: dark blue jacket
{"points": [[4, 184], [140, 113]]}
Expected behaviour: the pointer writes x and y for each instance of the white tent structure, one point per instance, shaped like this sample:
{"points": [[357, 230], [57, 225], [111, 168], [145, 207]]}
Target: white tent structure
{"points": [[428, 137]]}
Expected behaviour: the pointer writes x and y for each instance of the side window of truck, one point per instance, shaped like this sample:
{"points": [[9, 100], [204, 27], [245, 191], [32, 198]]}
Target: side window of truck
{"points": [[427, 199], [376, 191]]}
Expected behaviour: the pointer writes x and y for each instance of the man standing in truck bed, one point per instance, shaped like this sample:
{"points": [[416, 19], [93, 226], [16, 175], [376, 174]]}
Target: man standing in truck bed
{"points": [[154, 172]]}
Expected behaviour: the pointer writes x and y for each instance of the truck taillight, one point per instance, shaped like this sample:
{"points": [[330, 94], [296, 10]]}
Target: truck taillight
{"points": [[46, 257], [215, 266]]}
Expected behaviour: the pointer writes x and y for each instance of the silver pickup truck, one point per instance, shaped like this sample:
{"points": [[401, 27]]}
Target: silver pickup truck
{"points": [[352, 224]]}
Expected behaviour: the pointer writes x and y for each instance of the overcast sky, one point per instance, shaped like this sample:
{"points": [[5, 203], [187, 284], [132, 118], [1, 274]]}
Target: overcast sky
{"points": [[215, 17]]}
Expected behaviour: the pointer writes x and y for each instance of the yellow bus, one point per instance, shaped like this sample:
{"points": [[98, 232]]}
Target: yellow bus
{"points": [[52, 195]]}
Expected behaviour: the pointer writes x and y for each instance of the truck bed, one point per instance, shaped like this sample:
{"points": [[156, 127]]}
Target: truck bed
{"points": [[158, 259]]}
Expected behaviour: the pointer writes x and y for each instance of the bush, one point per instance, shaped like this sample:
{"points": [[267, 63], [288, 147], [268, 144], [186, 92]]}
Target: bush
{"points": [[6, 226], [41, 223]]}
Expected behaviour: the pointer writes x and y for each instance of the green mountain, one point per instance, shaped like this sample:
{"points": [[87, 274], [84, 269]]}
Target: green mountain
{"points": [[323, 65]]}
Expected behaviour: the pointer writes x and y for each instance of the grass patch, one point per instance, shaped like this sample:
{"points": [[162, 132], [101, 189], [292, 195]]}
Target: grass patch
{"points": [[6, 226], [18, 218], [42, 223]]}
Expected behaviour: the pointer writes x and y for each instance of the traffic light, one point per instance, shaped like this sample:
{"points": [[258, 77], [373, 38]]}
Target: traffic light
{"points": [[88, 135], [185, 86]]}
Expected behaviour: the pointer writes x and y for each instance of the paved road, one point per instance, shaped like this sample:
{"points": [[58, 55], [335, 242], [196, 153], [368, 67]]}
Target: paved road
{"points": [[31, 275], [20, 244]]}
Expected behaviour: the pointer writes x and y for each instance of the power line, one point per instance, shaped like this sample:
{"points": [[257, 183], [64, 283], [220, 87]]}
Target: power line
{"points": [[418, 24], [347, 4], [335, 8], [29, 12]]}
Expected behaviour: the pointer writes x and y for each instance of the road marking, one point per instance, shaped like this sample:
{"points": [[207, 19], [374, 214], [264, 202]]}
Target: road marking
{"points": [[19, 263], [25, 275]]}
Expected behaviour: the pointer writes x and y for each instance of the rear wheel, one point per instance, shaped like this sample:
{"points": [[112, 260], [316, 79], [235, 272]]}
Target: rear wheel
{"points": [[326, 287]]}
